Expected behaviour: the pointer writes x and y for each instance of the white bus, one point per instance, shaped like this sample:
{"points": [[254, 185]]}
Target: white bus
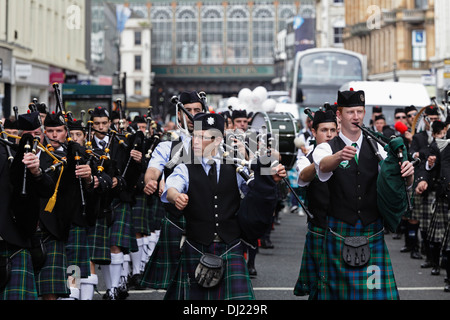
{"points": [[320, 72]]}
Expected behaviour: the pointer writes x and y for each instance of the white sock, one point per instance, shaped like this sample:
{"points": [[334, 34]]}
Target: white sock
{"points": [[126, 265], [115, 268], [87, 287], [152, 243], [106, 275], [136, 256]]}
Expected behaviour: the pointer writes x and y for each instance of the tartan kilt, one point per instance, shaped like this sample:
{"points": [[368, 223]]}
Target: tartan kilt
{"points": [[438, 221], [22, 284], [121, 232], [235, 284], [311, 260], [157, 213], [446, 239], [52, 277], [423, 208], [139, 213], [98, 242], [77, 250], [338, 281], [164, 260]]}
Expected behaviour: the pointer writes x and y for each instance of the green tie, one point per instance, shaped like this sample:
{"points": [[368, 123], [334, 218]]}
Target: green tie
{"points": [[356, 155]]}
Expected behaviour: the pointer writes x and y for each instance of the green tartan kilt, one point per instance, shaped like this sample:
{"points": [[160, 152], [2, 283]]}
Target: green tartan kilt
{"points": [[423, 208], [98, 242], [140, 216], [235, 284], [438, 221], [164, 260], [157, 213], [338, 281], [310, 265], [22, 284], [121, 232], [52, 277], [77, 250]]}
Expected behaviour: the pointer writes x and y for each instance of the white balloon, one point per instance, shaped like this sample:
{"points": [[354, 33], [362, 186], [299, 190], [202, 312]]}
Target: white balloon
{"points": [[269, 105], [233, 102], [261, 92], [244, 94]]}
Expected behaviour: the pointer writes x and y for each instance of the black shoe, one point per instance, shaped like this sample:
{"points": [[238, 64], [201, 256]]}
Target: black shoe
{"points": [[397, 236], [415, 255], [447, 286], [266, 244], [122, 290], [111, 294], [135, 282], [405, 249], [435, 271], [427, 264], [252, 272]]}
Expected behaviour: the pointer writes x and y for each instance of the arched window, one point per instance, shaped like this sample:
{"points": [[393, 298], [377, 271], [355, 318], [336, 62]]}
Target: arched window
{"points": [[186, 42], [212, 45], [161, 19], [238, 42], [263, 34], [285, 12]]}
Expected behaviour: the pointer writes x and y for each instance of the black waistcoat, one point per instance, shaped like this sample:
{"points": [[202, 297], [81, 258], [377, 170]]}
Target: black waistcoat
{"points": [[318, 200], [353, 188], [210, 212]]}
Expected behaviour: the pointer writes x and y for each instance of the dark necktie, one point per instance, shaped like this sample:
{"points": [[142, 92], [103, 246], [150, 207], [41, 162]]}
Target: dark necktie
{"points": [[356, 155], [212, 175], [103, 144]]}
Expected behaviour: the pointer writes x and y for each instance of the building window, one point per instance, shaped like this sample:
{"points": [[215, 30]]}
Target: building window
{"points": [[285, 13], [263, 35], [238, 42], [419, 48], [186, 36], [212, 35], [137, 62], [337, 34], [138, 87], [137, 38], [161, 35]]}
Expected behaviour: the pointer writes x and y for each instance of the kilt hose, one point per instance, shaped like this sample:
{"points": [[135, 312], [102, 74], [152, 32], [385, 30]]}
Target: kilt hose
{"points": [[235, 284], [310, 265], [22, 284], [52, 277], [98, 242], [140, 216], [423, 208], [338, 281], [121, 232], [77, 250], [438, 221], [164, 260]]}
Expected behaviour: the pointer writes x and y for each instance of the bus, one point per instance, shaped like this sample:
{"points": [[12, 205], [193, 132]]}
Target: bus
{"points": [[320, 72]]}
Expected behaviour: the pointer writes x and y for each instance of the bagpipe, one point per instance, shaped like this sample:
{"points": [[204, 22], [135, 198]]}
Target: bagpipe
{"points": [[393, 199]]}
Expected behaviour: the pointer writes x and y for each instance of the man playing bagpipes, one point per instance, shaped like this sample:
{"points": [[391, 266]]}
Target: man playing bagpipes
{"points": [[22, 184], [356, 264], [207, 192], [164, 260]]}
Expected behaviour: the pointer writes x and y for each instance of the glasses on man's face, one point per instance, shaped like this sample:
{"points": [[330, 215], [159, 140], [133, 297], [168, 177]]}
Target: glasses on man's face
{"points": [[412, 115], [400, 117]]}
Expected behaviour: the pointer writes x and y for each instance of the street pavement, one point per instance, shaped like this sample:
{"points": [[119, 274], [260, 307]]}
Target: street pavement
{"points": [[278, 268]]}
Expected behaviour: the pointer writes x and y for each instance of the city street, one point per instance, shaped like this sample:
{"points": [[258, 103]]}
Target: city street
{"points": [[278, 268]]}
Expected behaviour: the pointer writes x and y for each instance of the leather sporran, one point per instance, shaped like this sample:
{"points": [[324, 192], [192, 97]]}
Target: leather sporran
{"points": [[209, 271], [356, 251], [5, 271]]}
